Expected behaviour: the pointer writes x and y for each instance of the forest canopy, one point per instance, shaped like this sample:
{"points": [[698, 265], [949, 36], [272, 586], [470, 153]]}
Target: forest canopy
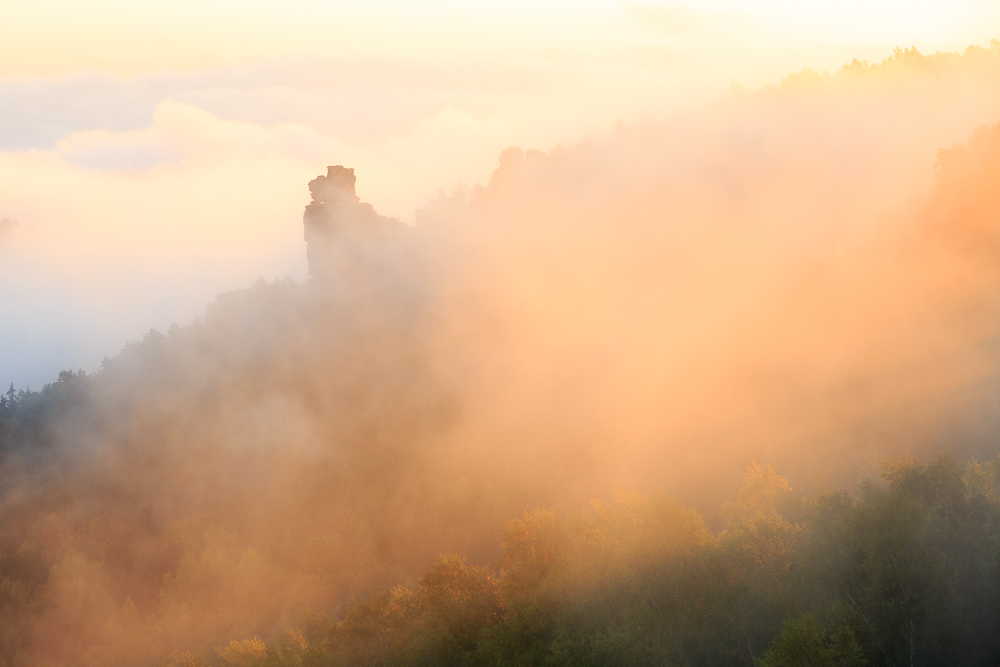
{"points": [[907, 572]]}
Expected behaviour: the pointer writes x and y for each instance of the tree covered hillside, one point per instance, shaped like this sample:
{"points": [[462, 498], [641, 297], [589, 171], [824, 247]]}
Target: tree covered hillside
{"points": [[906, 573]]}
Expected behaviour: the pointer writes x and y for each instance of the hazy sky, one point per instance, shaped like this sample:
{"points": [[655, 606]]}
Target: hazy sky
{"points": [[154, 154]]}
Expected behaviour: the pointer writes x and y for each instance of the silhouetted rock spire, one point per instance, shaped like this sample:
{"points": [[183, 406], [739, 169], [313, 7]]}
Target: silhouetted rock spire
{"points": [[335, 212]]}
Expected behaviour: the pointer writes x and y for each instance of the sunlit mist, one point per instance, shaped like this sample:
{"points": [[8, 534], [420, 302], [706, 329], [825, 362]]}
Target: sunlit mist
{"points": [[544, 333]]}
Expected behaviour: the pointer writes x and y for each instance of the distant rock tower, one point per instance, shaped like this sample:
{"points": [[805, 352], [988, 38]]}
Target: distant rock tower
{"points": [[335, 213]]}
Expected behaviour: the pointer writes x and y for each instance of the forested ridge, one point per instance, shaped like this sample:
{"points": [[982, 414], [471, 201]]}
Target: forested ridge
{"points": [[276, 482], [908, 568], [907, 572]]}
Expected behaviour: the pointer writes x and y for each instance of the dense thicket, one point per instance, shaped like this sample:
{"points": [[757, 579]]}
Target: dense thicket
{"points": [[906, 573]]}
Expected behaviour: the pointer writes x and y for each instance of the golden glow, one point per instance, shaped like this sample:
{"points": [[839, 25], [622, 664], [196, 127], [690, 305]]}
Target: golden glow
{"points": [[127, 37], [677, 276]]}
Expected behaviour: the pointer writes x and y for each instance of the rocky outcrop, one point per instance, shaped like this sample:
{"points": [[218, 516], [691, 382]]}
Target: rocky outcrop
{"points": [[335, 214]]}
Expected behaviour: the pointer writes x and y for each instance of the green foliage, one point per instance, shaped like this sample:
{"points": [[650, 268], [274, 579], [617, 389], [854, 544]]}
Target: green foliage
{"points": [[438, 623], [908, 569], [607, 585], [804, 642], [912, 564]]}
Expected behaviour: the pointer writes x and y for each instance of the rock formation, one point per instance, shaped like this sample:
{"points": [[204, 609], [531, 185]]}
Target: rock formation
{"points": [[335, 213]]}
